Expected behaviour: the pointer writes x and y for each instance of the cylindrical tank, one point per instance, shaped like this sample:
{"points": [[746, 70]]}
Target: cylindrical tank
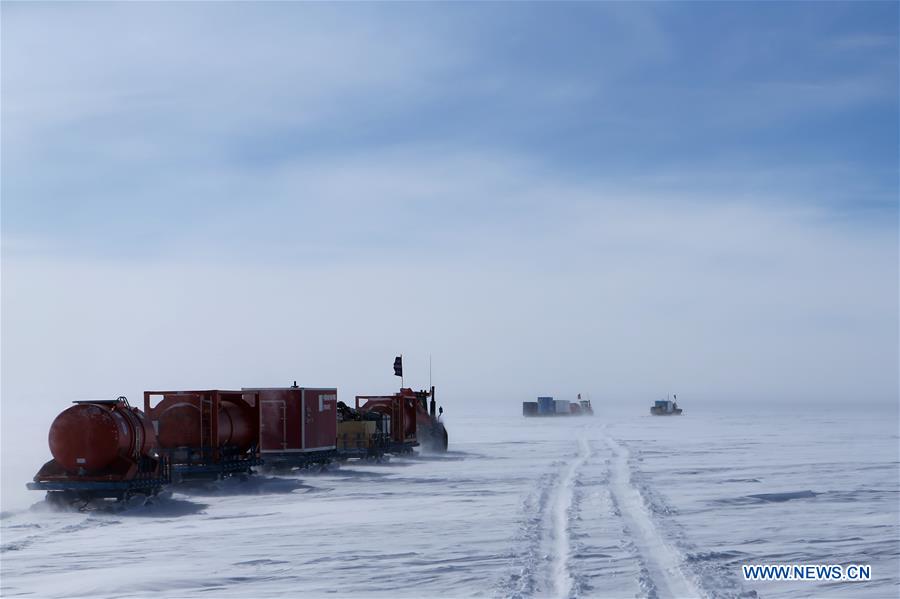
{"points": [[90, 436], [179, 424]]}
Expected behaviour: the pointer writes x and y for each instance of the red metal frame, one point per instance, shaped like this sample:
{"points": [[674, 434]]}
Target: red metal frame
{"points": [[402, 409]]}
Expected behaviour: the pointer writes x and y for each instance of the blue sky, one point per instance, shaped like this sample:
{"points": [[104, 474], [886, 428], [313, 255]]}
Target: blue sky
{"points": [[136, 122], [550, 198]]}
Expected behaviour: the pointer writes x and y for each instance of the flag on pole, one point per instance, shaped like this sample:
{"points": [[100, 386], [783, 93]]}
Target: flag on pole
{"points": [[398, 366]]}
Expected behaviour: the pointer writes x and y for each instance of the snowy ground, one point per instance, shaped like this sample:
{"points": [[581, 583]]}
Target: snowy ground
{"points": [[620, 505]]}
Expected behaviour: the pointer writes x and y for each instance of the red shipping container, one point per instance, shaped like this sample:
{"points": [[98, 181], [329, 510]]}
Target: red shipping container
{"points": [[297, 419]]}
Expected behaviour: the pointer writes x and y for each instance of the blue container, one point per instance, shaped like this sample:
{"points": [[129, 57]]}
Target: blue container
{"points": [[546, 405]]}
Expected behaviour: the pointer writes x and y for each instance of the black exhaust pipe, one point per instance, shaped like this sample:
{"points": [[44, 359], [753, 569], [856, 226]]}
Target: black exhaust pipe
{"points": [[431, 411]]}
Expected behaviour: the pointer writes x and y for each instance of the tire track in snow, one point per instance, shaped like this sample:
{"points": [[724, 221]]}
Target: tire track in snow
{"points": [[662, 562], [543, 568], [49, 532], [560, 575], [526, 580]]}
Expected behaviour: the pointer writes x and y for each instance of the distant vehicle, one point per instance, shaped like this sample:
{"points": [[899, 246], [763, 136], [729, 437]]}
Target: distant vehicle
{"points": [[547, 406], [664, 407]]}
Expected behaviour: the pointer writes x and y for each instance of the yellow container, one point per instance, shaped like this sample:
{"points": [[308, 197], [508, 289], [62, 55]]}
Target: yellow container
{"points": [[355, 434]]}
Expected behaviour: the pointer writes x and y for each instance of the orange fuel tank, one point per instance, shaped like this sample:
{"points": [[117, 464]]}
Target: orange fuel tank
{"points": [[91, 435], [182, 419]]}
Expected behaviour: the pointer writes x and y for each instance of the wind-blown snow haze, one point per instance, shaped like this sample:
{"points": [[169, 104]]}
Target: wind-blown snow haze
{"points": [[625, 201]]}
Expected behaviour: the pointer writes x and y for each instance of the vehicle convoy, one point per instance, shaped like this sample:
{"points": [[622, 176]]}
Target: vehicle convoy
{"points": [[109, 449], [664, 407], [547, 406]]}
